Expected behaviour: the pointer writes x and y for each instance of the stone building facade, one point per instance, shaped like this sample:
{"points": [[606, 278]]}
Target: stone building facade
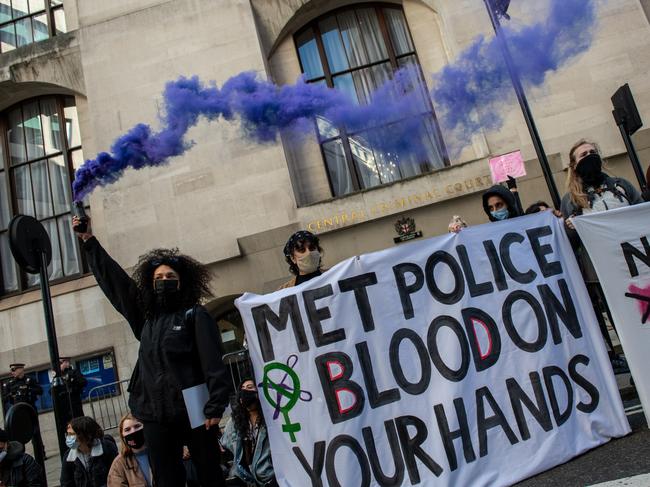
{"points": [[231, 202]]}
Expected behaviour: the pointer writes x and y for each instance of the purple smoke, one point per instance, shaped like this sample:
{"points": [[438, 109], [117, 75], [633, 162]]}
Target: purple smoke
{"points": [[467, 97], [469, 93]]}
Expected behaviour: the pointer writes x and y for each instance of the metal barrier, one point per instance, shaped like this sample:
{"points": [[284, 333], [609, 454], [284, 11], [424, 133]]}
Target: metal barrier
{"points": [[109, 403], [239, 365]]}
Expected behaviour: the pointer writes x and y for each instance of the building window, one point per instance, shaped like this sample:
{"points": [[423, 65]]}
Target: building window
{"points": [[24, 22], [357, 50], [40, 146]]}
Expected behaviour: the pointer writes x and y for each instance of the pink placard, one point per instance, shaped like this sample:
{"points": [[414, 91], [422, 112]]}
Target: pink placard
{"points": [[511, 164]]}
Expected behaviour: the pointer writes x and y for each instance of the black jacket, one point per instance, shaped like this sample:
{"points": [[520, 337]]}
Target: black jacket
{"points": [[25, 389], [69, 396], [173, 355], [507, 196], [19, 469], [74, 474]]}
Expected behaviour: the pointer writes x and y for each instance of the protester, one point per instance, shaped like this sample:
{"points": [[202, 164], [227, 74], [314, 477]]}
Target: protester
{"points": [[180, 348], [456, 224], [541, 206], [21, 388], [303, 253], [69, 395], [246, 437], [131, 467], [591, 190], [17, 468], [89, 456], [499, 203]]}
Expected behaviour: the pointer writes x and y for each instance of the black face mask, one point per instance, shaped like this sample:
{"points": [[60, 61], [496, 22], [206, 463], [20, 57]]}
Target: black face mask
{"points": [[165, 287], [248, 398], [135, 440], [590, 170]]}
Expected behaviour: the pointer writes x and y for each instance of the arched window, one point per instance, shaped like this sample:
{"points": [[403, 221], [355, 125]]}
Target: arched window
{"points": [[23, 22], [357, 50], [40, 146]]}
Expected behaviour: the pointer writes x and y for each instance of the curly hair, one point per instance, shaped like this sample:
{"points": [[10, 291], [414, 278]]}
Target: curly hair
{"points": [[240, 414], [194, 279], [87, 430]]}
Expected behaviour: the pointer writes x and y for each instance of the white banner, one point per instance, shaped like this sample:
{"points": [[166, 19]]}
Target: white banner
{"points": [[469, 359], [618, 242]]}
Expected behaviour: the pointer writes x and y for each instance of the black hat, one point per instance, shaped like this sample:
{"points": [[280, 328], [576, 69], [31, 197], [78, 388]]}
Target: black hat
{"points": [[64, 358], [17, 365], [3, 436], [302, 235]]}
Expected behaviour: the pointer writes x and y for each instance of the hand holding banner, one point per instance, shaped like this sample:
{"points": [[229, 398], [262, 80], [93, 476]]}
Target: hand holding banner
{"points": [[467, 359]]}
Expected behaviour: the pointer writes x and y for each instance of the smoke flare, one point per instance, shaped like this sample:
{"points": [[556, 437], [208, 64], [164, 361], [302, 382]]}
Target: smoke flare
{"points": [[467, 96]]}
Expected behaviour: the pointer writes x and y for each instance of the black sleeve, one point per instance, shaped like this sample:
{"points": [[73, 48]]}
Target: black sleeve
{"points": [[110, 451], [78, 381], [208, 342], [117, 286], [35, 387], [33, 472], [67, 472]]}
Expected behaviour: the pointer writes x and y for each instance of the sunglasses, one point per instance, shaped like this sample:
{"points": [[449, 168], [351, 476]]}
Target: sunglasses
{"points": [[13, 369], [301, 246]]}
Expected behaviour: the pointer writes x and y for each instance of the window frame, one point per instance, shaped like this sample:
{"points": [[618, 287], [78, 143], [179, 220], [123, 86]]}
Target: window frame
{"points": [[49, 10], [327, 76], [10, 187]]}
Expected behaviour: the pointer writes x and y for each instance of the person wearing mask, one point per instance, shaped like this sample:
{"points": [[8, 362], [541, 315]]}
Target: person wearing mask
{"points": [[304, 255], [180, 347], [17, 468], [499, 203], [131, 467], [246, 437], [90, 454], [590, 190]]}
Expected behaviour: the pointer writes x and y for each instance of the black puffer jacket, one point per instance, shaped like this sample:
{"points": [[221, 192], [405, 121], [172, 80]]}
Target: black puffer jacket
{"points": [[508, 197], [75, 474], [173, 355], [19, 469]]}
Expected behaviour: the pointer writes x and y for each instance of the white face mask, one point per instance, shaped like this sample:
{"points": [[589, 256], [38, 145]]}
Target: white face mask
{"points": [[3, 454], [308, 263]]}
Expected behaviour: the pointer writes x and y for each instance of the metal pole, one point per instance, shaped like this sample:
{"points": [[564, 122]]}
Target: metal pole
{"points": [[53, 346], [523, 103], [634, 158]]}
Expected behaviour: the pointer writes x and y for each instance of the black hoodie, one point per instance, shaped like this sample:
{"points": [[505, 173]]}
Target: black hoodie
{"points": [[19, 469], [506, 195]]}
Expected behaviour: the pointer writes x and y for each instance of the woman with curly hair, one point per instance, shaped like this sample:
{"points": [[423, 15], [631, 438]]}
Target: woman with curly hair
{"points": [[89, 456], [180, 347], [304, 255], [246, 437]]}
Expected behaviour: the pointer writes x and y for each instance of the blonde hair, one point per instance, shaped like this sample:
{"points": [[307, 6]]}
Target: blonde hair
{"points": [[126, 449], [574, 182]]}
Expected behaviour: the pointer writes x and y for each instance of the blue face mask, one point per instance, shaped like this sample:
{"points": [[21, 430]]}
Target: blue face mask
{"points": [[71, 441], [501, 214]]}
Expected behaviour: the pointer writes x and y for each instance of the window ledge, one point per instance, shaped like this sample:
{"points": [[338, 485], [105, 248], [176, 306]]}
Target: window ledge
{"points": [[32, 296]]}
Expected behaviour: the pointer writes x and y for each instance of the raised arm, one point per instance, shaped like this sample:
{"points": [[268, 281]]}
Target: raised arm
{"points": [[116, 284]]}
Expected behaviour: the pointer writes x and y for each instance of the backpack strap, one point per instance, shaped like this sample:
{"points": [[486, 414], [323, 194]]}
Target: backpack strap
{"points": [[190, 317]]}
